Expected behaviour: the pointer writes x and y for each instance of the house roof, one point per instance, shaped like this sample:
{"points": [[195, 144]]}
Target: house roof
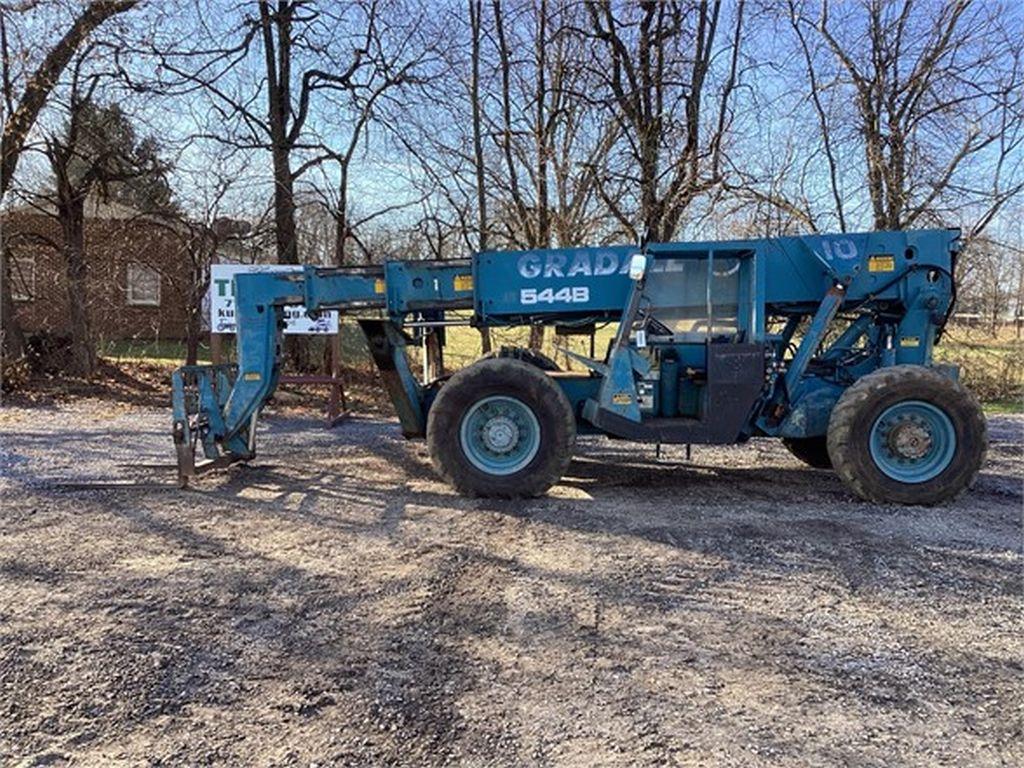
{"points": [[95, 208]]}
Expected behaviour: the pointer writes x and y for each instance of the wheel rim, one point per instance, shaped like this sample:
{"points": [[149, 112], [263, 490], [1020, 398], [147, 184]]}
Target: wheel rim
{"points": [[912, 441], [500, 435]]}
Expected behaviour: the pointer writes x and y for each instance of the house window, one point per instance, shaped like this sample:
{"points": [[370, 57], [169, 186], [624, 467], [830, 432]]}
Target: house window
{"points": [[143, 286], [23, 278]]}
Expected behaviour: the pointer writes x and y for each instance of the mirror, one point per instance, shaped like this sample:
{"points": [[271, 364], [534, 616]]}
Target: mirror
{"points": [[637, 266]]}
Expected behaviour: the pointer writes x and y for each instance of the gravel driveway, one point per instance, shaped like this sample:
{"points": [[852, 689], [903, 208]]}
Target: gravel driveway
{"points": [[333, 603]]}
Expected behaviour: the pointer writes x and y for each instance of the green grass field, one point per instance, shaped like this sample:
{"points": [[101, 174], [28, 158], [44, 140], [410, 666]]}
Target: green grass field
{"points": [[168, 352]]}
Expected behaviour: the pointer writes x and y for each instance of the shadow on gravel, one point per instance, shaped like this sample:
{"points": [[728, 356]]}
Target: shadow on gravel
{"points": [[269, 636], [695, 482], [227, 623], [775, 519]]}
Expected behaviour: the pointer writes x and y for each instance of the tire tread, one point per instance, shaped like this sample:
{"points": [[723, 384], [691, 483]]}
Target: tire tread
{"points": [[867, 389], [446, 412]]}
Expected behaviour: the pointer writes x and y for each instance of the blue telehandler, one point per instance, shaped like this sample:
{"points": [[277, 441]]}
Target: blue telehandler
{"points": [[823, 341]]}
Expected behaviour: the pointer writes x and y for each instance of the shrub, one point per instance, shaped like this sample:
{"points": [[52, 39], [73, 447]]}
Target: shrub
{"points": [[14, 374], [48, 352]]}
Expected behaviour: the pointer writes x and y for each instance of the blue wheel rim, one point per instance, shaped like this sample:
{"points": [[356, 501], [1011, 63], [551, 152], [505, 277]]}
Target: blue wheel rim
{"points": [[500, 435], [912, 441]]}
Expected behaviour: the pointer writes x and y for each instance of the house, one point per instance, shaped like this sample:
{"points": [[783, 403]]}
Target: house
{"points": [[138, 272]]}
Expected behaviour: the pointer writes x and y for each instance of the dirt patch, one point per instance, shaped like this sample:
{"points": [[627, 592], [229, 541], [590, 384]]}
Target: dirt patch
{"points": [[140, 383], [135, 383], [334, 603]]}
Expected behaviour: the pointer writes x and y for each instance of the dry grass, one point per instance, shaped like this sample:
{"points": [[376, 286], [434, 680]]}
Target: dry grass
{"points": [[991, 366]]}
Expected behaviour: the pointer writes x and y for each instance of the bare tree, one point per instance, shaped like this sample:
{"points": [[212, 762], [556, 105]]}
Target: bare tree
{"points": [[298, 48], [95, 151], [22, 115], [506, 139], [544, 130], [656, 61], [935, 96], [277, 35], [207, 228], [22, 110], [394, 56]]}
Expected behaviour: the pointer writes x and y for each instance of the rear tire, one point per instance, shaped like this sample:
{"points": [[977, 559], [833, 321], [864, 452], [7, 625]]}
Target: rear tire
{"points": [[812, 451], [909, 435], [501, 428]]}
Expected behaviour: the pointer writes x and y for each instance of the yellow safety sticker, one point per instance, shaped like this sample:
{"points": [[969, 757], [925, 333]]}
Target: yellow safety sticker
{"points": [[463, 282], [378, 285], [910, 341], [883, 262], [252, 376], [622, 398]]}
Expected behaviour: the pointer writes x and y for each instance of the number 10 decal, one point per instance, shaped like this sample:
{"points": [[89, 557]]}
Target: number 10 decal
{"points": [[576, 294]]}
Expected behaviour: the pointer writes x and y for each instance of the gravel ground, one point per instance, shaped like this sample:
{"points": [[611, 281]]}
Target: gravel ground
{"points": [[333, 603]]}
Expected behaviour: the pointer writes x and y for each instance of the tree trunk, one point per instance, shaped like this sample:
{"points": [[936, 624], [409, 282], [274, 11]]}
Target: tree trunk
{"points": [[13, 339], [536, 337], [193, 329], [297, 348], [16, 129], [277, 58], [284, 209], [199, 283], [83, 350], [341, 217], [435, 353], [541, 148], [192, 343], [475, 22]]}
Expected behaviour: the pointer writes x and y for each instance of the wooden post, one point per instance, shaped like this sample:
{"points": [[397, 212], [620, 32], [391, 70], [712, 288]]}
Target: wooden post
{"points": [[216, 351], [434, 365], [338, 405]]}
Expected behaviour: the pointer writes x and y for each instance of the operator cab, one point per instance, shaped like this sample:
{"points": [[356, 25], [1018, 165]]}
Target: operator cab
{"points": [[698, 308]]}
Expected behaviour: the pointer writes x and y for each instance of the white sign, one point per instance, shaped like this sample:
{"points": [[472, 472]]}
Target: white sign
{"points": [[222, 301]]}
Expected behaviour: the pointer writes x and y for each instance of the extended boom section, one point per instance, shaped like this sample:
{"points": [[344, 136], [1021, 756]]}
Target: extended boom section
{"points": [[824, 341]]}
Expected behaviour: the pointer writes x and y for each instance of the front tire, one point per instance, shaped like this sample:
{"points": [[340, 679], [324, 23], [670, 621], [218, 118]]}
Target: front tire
{"points": [[909, 435], [501, 428]]}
